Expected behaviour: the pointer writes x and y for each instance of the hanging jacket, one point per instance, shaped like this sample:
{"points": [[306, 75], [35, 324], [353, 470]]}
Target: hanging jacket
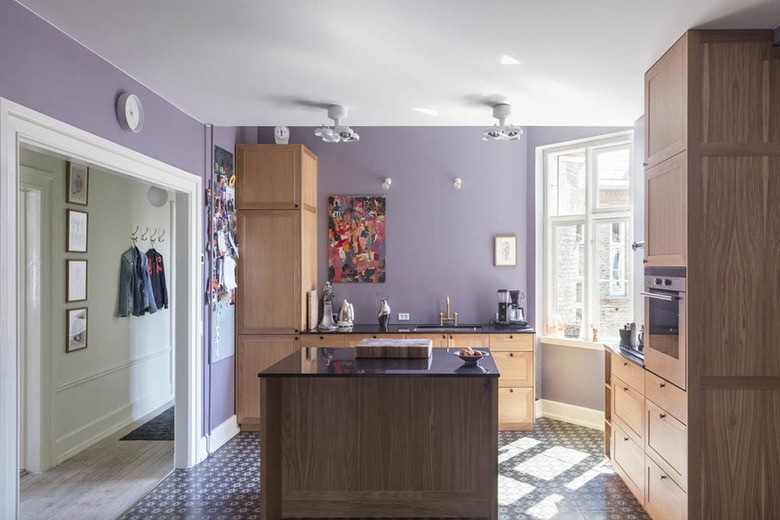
{"points": [[135, 288], [157, 278]]}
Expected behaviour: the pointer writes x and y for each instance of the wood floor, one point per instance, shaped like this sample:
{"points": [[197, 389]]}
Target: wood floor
{"points": [[100, 483]]}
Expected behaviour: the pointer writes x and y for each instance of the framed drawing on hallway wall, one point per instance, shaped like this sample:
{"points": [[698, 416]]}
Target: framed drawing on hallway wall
{"points": [[77, 231], [77, 329], [76, 280], [505, 251], [78, 184]]}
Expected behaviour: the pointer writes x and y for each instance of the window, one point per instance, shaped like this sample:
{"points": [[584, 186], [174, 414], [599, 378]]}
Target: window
{"points": [[588, 223]]}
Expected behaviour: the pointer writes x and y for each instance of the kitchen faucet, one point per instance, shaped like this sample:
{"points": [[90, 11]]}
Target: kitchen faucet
{"points": [[453, 318]]}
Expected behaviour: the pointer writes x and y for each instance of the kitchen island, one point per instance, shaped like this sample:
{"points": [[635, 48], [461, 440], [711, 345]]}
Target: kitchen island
{"points": [[373, 438]]}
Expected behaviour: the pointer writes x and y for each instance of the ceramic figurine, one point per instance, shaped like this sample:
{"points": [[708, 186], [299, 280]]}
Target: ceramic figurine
{"points": [[384, 315]]}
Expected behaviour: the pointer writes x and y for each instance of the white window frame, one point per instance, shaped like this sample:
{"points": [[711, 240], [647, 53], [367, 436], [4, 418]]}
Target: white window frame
{"points": [[593, 216]]}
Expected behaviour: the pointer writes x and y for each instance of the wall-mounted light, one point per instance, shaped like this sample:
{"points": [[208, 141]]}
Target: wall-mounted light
{"points": [[457, 183], [387, 182], [158, 197]]}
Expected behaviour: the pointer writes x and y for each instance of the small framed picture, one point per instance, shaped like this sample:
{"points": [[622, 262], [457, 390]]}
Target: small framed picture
{"points": [[76, 280], [506, 251], [78, 184], [77, 231], [77, 329]]}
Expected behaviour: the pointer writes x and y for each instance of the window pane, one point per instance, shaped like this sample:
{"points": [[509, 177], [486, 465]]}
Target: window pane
{"points": [[567, 176], [569, 254], [612, 172], [614, 271]]}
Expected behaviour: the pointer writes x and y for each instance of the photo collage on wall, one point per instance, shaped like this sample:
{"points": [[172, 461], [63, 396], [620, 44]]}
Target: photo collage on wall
{"points": [[76, 273], [222, 241]]}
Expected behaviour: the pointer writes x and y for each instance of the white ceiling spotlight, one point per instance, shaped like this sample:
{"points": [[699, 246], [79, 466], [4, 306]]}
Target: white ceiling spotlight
{"points": [[502, 132], [339, 132]]}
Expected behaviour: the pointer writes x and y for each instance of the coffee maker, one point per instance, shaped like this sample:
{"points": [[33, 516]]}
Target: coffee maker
{"points": [[503, 306], [515, 313]]}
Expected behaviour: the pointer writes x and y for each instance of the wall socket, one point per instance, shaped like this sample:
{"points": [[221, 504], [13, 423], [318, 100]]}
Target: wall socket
{"points": [[403, 316]]}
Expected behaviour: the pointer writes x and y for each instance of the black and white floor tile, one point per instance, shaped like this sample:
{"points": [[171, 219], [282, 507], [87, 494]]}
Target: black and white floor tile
{"points": [[557, 471]]}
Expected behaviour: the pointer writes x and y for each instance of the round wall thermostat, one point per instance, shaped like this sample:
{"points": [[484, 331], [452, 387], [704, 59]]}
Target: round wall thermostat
{"points": [[282, 135], [130, 112]]}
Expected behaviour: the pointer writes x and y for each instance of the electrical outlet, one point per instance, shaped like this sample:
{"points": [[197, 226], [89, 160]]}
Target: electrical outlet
{"points": [[403, 316]]}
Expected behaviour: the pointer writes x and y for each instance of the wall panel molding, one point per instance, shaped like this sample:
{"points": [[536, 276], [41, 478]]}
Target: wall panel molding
{"points": [[114, 368]]}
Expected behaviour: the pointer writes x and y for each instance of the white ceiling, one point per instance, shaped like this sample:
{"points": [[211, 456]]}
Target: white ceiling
{"points": [[262, 63]]}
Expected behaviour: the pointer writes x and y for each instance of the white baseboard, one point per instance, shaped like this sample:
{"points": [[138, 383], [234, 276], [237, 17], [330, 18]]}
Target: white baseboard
{"points": [[95, 431], [223, 433], [570, 413]]}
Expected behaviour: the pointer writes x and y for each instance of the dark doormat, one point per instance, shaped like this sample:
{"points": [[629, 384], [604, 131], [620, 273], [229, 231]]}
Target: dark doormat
{"points": [[158, 429]]}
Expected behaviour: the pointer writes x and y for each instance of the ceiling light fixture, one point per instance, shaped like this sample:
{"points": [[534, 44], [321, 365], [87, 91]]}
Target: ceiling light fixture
{"points": [[339, 132], [501, 131]]}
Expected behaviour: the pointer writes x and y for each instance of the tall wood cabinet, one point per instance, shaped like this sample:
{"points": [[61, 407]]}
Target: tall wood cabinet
{"points": [[277, 219], [713, 185]]}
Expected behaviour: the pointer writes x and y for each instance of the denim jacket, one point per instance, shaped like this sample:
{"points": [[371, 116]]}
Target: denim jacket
{"points": [[135, 286]]}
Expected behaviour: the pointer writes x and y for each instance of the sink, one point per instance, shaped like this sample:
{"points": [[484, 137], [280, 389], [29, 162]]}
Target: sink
{"points": [[446, 328]]}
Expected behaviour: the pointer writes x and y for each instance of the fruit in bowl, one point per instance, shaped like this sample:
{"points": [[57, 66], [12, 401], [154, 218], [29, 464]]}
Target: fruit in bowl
{"points": [[471, 356]]}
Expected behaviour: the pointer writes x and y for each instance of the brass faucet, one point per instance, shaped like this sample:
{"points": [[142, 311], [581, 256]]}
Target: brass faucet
{"points": [[453, 318]]}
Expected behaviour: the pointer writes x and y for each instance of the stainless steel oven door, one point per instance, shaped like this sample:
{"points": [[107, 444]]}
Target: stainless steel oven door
{"points": [[665, 346]]}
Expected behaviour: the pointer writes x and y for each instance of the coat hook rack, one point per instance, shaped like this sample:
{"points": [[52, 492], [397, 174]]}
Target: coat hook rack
{"points": [[144, 235], [152, 238], [134, 235], [160, 238]]}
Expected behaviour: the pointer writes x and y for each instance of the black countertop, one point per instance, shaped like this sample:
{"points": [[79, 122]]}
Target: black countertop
{"points": [[625, 353], [442, 363], [359, 328]]}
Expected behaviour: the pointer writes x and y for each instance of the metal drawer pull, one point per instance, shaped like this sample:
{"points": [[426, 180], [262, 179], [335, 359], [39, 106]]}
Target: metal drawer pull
{"points": [[511, 354], [662, 385], [625, 438], [625, 388], [661, 415], [511, 391], [663, 477]]}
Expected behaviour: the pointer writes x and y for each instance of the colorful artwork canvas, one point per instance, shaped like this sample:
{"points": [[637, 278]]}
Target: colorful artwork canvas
{"points": [[356, 239]]}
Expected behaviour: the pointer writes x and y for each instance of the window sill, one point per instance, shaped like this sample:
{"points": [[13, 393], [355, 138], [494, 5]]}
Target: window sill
{"points": [[571, 342]]}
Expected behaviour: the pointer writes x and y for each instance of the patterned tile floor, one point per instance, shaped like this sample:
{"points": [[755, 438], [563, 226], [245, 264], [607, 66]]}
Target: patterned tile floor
{"points": [[556, 471]]}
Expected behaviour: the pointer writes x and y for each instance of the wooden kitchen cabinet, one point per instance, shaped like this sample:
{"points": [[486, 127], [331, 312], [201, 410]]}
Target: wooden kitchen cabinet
{"points": [[666, 223], [666, 105], [468, 340], [329, 340], [514, 357], [254, 354], [629, 461], [276, 195], [666, 441], [276, 177]]}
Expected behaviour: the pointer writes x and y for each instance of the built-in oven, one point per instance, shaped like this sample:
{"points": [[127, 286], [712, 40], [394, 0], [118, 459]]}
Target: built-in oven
{"points": [[665, 348]]}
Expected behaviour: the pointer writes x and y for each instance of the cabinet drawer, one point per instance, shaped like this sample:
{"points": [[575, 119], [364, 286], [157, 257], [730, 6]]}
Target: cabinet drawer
{"points": [[512, 342], [353, 339], [667, 396], [515, 408], [629, 372], [666, 440], [629, 407], [665, 499], [322, 340], [515, 368], [469, 340], [629, 459]]}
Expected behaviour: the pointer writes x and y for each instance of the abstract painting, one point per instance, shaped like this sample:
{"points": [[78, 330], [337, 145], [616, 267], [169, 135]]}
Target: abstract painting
{"points": [[356, 239]]}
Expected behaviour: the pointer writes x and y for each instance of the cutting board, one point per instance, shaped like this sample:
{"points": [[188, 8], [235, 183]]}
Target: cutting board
{"points": [[394, 348]]}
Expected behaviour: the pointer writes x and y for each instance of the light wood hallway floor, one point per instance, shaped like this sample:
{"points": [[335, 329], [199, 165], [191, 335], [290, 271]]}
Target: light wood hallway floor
{"points": [[101, 482]]}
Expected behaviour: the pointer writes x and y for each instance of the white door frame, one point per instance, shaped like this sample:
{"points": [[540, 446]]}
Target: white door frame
{"points": [[20, 125]]}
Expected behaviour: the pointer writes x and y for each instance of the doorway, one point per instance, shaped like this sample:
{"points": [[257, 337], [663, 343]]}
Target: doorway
{"points": [[22, 127]]}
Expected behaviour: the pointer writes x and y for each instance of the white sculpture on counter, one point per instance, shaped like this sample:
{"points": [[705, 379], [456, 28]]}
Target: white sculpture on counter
{"points": [[346, 315]]}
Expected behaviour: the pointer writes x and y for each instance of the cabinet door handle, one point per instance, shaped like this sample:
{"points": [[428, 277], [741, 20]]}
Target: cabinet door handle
{"points": [[661, 415], [322, 338], [373, 337], [296, 331], [511, 390], [663, 477], [625, 389], [511, 354], [662, 385], [296, 338], [451, 336], [625, 438], [625, 363], [511, 337]]}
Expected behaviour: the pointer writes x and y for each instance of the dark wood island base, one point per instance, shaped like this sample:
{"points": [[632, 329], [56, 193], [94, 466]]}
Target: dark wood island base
{"points": [[379, 442]]}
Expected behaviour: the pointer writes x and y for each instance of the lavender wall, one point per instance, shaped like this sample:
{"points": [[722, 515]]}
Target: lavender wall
{"points": [[439, 240], [44, 69]]}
